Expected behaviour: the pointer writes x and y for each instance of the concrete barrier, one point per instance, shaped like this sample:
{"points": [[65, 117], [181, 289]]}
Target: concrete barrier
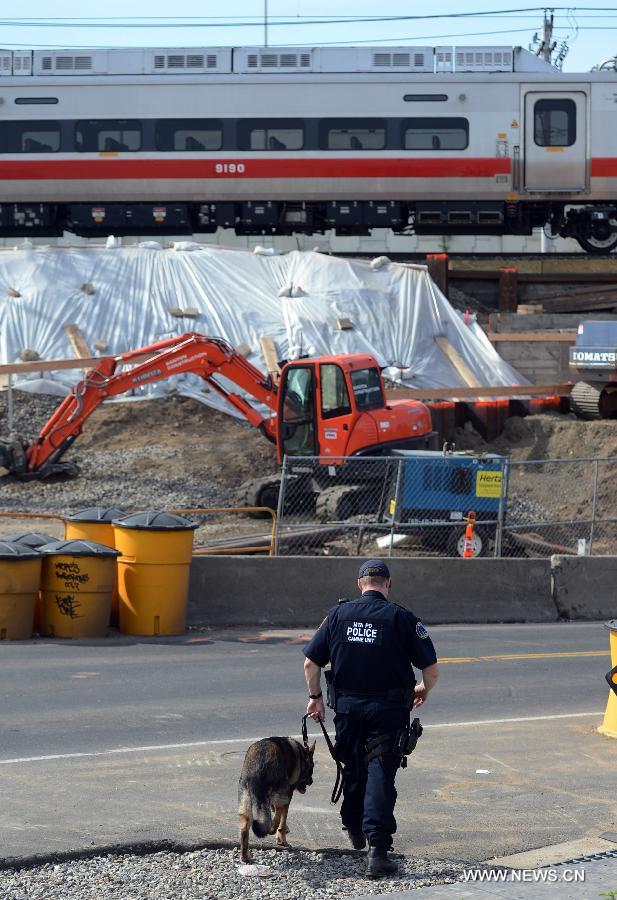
{"points": [[585, 587], [297, 591]]}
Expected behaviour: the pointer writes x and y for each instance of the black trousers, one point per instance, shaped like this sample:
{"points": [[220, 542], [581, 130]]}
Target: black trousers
{"points": [[369, 794]]}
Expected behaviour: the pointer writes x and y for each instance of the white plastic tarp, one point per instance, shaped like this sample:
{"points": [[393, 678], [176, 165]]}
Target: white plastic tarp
{"points": [[396, 311]]}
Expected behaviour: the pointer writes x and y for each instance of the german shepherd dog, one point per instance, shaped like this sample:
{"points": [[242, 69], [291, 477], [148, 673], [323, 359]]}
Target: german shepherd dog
{"points": [[273, 769]]}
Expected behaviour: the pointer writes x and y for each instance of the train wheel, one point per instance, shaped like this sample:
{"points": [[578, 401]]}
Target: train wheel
{"points": [[598, 244]]}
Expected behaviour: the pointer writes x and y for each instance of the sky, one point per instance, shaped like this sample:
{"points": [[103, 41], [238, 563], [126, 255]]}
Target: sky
{"points": [[590, 29]]}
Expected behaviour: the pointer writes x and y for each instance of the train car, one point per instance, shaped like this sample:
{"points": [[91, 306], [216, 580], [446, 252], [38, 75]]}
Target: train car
{"points": [[424, 140]]}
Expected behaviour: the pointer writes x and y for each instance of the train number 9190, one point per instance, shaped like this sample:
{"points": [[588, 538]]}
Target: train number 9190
{"points": [[230, 168]]}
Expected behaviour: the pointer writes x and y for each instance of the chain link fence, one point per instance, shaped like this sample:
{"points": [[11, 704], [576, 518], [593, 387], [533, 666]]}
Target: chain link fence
{"points": [[419, 504]]}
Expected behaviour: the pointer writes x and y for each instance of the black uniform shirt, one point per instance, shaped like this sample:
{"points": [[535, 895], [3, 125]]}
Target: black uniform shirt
{"points": [[372, 644]]}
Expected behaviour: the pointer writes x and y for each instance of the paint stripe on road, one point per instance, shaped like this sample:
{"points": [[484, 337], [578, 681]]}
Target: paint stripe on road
{"points": [[155, 748], [565, 654]]}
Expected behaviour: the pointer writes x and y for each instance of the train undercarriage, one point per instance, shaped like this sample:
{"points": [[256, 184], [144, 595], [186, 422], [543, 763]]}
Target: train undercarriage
{"points": [[593, 226]]}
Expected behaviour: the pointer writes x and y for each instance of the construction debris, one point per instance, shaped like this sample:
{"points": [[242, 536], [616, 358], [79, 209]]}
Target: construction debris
{"points": [[270, 355], [28, 355]]}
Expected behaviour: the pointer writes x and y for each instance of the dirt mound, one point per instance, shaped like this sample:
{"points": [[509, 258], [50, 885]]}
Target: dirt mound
{"points": [[208, 444], [547, 436]]}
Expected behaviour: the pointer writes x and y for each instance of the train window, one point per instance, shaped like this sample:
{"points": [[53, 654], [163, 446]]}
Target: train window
{"points": [[435, 134], [352, 134], [271, 134], [554, 123], [334, 393], [33, 101], [108, 135], [29, 137], [189, 134]]}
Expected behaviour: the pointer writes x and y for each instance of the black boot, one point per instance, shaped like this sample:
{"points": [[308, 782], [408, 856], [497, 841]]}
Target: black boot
{"points": [[356, 839], [378, 865]]}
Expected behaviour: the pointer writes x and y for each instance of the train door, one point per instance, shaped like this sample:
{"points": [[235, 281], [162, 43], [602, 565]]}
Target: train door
{"points": [[555, 141]]}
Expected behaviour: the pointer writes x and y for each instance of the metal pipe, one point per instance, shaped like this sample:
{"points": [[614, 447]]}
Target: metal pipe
{"points": [[10, 403], [594, 504], [279, 507], [395, 510]]}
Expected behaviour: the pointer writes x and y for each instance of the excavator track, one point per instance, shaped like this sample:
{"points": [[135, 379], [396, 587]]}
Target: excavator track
{"points": [[585, 400], [336, 504]]}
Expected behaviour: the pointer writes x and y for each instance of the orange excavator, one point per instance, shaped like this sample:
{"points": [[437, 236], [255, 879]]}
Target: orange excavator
{"points": [[332, 407]]}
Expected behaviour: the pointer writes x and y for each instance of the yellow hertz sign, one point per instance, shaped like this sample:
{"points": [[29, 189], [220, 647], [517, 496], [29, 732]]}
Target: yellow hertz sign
{"points": [[488, 484]]}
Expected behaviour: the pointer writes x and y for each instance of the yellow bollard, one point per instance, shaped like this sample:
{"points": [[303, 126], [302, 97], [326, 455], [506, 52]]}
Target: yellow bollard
{"points": [[153, 572], [609, 725], [94, 524], [20, 573], [77, 582]]}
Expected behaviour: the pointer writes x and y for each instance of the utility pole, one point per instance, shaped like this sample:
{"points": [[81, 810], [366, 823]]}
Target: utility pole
{"points": [[547, 45], [265, 23]]}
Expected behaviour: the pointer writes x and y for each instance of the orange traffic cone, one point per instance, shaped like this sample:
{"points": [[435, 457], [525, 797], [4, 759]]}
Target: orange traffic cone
{"points": [[469, 534]]}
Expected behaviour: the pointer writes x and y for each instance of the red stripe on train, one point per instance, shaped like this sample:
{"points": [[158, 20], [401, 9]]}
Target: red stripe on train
{"points": [[603, 167], [139, 169]]}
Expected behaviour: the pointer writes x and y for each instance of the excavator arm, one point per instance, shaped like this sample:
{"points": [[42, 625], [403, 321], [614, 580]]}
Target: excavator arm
{"points": [[194, 353]]}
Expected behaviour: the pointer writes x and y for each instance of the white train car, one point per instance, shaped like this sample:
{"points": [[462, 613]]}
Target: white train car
{"points": [[467, 140]]}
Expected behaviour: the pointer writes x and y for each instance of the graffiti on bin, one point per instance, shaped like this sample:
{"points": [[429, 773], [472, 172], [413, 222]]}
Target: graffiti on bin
{"points": [[71, 575], [68, 605]]}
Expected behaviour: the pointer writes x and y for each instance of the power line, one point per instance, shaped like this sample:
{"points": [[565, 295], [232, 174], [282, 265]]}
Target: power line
{"points": [[239, 22]]}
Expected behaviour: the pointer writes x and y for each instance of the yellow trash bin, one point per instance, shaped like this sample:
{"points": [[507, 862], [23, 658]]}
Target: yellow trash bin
{"points": [[609, 725], [94, 524], [77, 582], [20, 574], [153, 572], [34, 540]]}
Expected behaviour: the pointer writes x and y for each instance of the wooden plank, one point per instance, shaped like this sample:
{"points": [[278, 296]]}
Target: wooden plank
{"points": [[77, 341], [536, 277], [438, 270], [269, 353], [578, 302], [56, 365], [508, 289], [471, 394], [457, 361], [531, 337]]}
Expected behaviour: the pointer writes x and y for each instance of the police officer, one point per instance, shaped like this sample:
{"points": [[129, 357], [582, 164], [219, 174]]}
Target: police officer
{"points": [[372, 645]]}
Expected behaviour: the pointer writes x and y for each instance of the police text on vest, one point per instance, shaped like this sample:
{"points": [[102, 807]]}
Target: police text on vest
{"points": [[362, 633]]}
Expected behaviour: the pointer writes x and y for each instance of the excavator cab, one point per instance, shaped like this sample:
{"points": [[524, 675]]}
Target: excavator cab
{"points": [[336, 406]]}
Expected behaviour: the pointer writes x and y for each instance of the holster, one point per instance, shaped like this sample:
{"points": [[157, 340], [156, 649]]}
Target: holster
{"points": [[330, 690], [407, 739], [402, 743]]}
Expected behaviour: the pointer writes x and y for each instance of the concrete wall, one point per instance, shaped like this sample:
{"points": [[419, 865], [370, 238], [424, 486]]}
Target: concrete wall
{"points": [[585, 587], [297, 591]]}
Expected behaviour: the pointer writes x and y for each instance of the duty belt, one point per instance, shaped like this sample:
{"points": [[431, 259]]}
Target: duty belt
{"points": [[396, 695]]}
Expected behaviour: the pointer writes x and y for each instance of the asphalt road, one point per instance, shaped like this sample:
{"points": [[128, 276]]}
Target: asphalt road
{"points": [[123, 741]]}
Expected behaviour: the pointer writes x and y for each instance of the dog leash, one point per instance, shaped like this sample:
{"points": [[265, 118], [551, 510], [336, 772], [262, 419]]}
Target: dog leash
{"points": [[337, 790]]}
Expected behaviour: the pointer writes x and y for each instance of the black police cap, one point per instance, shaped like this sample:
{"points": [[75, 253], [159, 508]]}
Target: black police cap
{"points": [[376, 567]]}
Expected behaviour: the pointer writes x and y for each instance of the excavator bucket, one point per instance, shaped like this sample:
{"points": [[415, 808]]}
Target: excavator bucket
{"points": [[13, 455], [14, 459]]}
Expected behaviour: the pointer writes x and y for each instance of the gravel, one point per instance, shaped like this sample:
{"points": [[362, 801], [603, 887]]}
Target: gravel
{"points": [[106, 480], [128, 477], [214, 875]]}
